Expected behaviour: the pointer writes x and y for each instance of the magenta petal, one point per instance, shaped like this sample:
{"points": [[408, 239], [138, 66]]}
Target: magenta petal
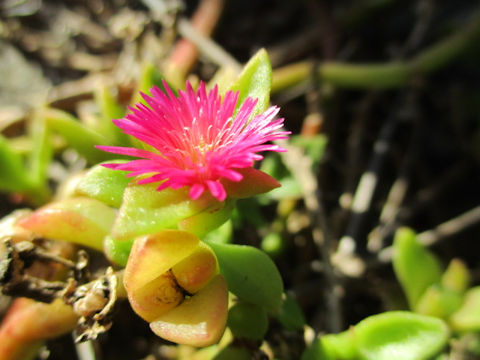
{"points": [[196, 191], [232, 175], [198, 140], [217, 190]]}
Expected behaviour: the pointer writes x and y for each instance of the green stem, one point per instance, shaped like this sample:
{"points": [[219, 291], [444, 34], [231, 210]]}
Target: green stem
{"points": [[76, 134], [381, 76]]}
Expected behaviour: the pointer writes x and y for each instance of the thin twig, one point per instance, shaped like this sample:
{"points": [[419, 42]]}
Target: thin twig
{"points": [[185, 53], [207, 46], [362, 200], [441, 232]]}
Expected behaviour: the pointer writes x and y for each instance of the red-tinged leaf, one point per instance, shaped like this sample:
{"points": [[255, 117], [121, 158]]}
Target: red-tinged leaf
{"points": [[152, 255], [254, 182], [78, 220], [156, 297], [200, 320], [195, 271]]}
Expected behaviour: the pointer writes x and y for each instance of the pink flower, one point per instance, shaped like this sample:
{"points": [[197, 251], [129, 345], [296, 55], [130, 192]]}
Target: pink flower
{"points": [[197, 139]]}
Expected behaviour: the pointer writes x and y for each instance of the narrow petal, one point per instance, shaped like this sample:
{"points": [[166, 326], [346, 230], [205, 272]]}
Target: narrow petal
{"points": [[196, 191], [217, 190]]}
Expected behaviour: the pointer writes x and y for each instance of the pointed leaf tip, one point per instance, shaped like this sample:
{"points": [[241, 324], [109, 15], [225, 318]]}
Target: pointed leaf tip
{"points": [[254, 182]]}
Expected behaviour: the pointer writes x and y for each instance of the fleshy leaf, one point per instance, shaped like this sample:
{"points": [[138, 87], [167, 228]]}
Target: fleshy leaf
{"points": [[439, 301], [290, 314], [150, 77], [152, 255], [222, 234], [77, 135], [457, 276], [103, 184], [117, 251], [13, 176], [254, 182], [415, 267], [82, 221], [110, 109], [248, 321], [200, 320], [156, 297], [28, 322], [316, 351], [467, 318], [209, 219], [250, 274], [340, 346], [196, 270], [400, 335], [145, 210], [255, 81], [41, 153]]}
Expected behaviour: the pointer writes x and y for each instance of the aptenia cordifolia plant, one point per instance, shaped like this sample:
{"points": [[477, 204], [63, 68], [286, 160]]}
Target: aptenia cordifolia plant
{"points": [[149, 215], [157, 214]]}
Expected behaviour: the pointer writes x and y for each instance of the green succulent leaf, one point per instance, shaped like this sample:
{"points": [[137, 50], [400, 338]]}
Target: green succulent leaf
{"points": [[117, 251], [77, 135], [250, 274], [13, 176], [255, 81], [222, 234], [395, 335], [110, 109], [415, 267], [209, 219], [150, 77], [467, 318], [104, 184], [316, 351], [290, 314], [223, 78], [340, 346], [247, 320], [439, 301], [400, 335], [145, 210], [41, 154], [456, 277]]}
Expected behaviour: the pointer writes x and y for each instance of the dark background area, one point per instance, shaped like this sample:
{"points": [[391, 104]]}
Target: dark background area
{"points": [[433, 123]]}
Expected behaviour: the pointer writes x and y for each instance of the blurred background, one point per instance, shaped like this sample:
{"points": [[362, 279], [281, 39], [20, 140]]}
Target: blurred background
{"points": [[382, 98]]}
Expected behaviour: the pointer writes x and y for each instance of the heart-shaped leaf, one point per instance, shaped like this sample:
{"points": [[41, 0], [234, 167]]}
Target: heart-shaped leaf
{"points": [[400, 335], [152, 255], [200, 320], [250, 274], [248, 321]]}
